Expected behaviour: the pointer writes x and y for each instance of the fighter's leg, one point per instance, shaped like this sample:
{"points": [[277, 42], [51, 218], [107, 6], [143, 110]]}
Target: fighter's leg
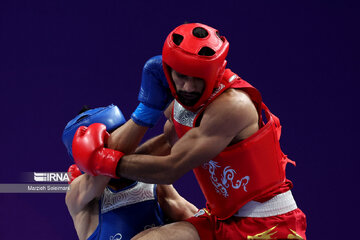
{"points": [[173, 231]]}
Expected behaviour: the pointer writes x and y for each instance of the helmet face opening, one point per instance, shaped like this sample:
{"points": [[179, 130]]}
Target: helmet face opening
{"points": [[189, 89], [195, 50]]}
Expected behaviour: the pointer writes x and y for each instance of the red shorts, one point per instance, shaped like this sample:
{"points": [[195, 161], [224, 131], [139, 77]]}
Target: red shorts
{"points": [[291, 225]]}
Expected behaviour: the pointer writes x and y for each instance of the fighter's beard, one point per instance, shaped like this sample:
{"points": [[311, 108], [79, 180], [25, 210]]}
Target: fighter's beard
{"points": [[188, 98]]}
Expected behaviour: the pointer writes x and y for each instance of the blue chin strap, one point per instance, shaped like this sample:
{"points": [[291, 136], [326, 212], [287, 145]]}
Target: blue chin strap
{"points": [[110, 116]]}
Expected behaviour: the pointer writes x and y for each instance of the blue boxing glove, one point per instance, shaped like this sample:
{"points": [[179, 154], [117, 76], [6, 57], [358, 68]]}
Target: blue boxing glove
{"points": [[154, 94]]}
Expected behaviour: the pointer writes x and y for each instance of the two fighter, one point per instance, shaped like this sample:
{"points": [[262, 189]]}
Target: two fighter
{"points": [[215, 128]]}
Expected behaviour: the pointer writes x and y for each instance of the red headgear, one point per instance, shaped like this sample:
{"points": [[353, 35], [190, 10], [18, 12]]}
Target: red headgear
{"points": [[202, 56]]}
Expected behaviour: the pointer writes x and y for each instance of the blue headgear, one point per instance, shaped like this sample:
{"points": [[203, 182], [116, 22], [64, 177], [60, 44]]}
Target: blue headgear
{"points": [[110, 116]]}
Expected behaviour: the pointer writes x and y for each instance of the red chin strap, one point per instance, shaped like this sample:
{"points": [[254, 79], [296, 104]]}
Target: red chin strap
{"points": [[202, 56]]}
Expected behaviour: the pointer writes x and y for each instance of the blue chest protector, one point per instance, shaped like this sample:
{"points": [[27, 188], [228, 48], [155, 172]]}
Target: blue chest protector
{"points": [[124, 213]]}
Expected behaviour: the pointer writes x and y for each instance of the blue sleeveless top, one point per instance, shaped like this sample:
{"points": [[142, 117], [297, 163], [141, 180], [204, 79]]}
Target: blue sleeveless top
{"points": [[125, 213]]}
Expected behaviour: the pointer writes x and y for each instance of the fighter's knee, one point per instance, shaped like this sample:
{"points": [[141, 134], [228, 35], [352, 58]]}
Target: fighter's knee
{"points": [[174, 231], [147, 234]]}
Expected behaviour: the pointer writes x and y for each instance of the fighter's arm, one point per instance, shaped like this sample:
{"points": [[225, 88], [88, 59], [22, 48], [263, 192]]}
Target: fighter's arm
{"points": [[231, 113], [127, 137], [161, 144], [83, 190]]}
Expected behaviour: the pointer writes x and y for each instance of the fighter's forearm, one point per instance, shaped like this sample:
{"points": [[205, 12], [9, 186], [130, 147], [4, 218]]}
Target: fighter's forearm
{"points": [[127, 137], [147, 168], [158, 146]]}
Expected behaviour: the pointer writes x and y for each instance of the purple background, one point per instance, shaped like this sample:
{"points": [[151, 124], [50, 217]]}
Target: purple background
{"points": [[57, 55]]}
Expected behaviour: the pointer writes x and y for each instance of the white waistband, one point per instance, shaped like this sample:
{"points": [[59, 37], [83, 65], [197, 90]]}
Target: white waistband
{"points": [[277, 205]]}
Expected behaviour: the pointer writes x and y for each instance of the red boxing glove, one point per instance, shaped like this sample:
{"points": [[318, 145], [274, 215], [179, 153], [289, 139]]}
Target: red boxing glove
{"points": [[73, 172], [89, 152]]}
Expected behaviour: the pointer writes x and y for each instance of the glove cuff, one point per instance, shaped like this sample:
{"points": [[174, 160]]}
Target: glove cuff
{"points": [[146, 116], [109, 160]]}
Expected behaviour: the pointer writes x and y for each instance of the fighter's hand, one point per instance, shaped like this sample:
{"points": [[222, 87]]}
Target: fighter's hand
{"points": [[154, 94], [90, 154], [73, 172]]}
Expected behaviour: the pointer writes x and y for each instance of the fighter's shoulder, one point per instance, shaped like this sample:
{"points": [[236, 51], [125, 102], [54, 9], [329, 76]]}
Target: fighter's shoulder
{"points": [[83, 191], [232, 111], [233, 100]]}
